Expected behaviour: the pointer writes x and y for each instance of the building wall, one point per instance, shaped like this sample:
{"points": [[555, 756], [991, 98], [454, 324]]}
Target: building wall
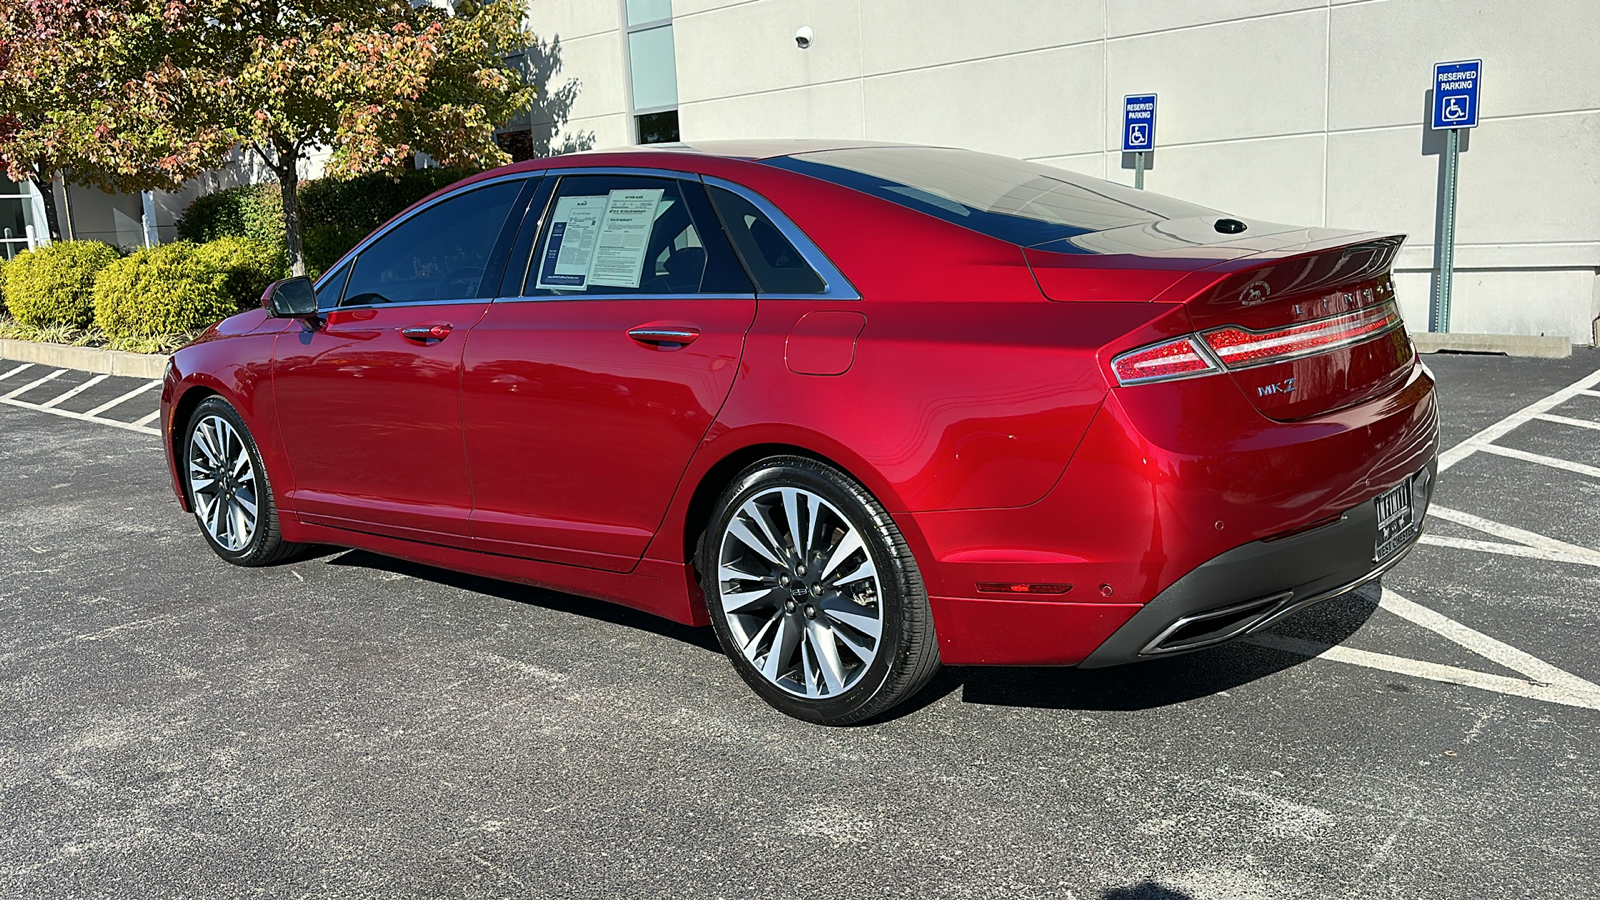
{"points": [[1301, 111]]}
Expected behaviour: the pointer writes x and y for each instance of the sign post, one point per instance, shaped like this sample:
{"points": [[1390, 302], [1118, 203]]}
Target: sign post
{"points": [[1138, 131], [1455, 106]]}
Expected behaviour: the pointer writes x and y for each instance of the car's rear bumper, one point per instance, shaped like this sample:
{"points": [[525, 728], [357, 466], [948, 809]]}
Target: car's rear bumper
{"points": [[1181, 500], [1250, 587]]}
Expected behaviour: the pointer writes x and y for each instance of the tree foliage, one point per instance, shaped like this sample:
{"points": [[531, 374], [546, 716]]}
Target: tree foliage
{"points": [[134, 94]]}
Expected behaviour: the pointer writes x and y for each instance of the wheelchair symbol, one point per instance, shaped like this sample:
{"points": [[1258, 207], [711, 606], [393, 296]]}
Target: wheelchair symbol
{"points": [[1455, 109], [1138, 135]]}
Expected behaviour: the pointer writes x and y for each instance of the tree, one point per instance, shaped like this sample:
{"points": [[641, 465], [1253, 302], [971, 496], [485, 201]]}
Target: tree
{"points": [[372, 82], [86, 93]]}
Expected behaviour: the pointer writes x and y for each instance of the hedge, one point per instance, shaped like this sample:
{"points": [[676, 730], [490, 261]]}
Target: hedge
{"points": [[334, 215], [248, 265], [168, 289], [53, 285], [3, 308]]}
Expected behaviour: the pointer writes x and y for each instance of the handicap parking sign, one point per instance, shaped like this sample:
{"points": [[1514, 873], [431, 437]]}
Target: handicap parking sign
{"points": [[1455, 93], [1138, 123]]}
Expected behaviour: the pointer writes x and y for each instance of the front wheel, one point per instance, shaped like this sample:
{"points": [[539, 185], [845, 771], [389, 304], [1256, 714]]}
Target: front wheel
{"points": [[814, 594], [228, 488]]}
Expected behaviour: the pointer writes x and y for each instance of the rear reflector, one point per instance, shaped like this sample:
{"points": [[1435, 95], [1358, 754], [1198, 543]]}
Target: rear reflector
{"points": [[1007, 587], [1238, 348], [1161, 362]]}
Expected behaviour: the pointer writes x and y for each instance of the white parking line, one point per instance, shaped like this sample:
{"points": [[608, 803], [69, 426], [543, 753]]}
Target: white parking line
{"points": [[74, 392], [1564, 420], [1542, 460], [1487, 436], [33, 384], [17, 371], [146, 420], [123, 399], [1526, 538], [1542, 681]]}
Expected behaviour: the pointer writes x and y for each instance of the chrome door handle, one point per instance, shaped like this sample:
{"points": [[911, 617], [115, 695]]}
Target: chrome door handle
{"points": [[427, 333], [662, 334]]}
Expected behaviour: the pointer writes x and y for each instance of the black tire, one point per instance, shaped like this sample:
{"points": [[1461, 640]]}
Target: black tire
{"points": [[907, 650], [265, 545]]}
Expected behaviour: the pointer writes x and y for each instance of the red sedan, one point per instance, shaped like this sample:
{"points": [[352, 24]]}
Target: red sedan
{"points": [[863, 409]]}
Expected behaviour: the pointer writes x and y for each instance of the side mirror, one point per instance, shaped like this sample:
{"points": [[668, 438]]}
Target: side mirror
{"points": [[291, 298]]}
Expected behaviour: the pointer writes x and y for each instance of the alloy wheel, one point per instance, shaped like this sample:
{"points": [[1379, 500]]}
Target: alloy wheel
{"points": [[800, 592], [222, 481]]}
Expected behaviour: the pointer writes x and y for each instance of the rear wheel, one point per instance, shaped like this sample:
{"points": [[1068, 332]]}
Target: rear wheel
{"points": [[228, 488], [814, 594]]}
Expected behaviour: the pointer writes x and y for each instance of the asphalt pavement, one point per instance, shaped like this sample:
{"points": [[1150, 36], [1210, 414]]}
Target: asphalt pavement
{"points": [[354, 726]]}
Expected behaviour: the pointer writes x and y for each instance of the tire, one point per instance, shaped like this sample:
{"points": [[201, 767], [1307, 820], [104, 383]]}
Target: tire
{"points": [[222, 477], [799, 627]]}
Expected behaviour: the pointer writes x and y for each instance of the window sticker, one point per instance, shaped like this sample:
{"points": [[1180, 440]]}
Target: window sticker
{"points": [[618, 256], [570, 249]]}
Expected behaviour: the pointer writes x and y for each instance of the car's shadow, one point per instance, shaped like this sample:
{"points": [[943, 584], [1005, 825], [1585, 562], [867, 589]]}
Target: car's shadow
{"points": [[1146, 685]]}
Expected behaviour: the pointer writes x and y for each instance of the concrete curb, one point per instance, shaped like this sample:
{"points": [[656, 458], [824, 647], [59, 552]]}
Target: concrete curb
{"points": [[1538, 346], [86, 359]]}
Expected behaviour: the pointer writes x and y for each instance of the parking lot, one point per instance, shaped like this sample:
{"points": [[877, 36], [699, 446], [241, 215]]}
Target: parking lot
{"points": [[354, 726]]}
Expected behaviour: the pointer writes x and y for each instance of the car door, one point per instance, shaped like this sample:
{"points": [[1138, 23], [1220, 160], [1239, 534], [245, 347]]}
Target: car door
{"points": [[587, 388], [368, 395]]}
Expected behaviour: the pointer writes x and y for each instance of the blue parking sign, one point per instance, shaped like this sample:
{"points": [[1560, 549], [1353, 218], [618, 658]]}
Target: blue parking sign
{"points": [[1138, 123], [1455, 94]]}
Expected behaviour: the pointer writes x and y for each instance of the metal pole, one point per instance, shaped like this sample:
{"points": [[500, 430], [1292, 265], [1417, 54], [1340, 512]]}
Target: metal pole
{"points": [[1138, 170], [1447, 232]]}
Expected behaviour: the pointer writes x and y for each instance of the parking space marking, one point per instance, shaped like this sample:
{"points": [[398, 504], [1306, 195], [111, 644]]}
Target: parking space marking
{"points": [[33, 384], [1541, 681], [1542, 460], [74, 392], [17, 371], [146, 420], [1564, 420], [1487, 436], [93, 415], [1528, 543]]}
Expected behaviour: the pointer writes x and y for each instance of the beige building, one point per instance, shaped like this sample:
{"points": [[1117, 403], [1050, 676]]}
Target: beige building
{"points": [[1301, 111]]}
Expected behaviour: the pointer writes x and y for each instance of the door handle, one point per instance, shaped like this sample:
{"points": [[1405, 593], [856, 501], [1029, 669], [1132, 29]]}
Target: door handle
{"points": [[426, 333], [659, 335]]}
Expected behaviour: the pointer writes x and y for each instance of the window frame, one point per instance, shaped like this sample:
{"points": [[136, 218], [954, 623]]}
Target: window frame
{"points": [[347, 263]]}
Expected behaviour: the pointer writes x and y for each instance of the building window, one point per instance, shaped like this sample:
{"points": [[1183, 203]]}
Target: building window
{"points": [[652, 70], [21, 215]]}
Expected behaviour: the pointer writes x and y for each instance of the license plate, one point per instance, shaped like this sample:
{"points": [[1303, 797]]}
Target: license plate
{"points": [[1397, 522]]}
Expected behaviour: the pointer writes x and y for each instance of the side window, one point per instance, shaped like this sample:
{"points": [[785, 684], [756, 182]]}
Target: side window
{"points": [[437, 254], [333, 288], [625, 234], [776, 265]]}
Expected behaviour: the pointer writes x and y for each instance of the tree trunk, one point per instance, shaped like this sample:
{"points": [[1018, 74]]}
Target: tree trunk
{"points": [[45, 185], [289, 185]]}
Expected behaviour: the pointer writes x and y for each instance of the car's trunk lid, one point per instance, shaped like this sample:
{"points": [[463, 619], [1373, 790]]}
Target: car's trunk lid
{"points": [[1304, 320]]}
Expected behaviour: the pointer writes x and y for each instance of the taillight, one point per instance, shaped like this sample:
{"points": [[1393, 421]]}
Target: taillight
{"points": [[1181, 358], [1229, 348], [1239, 349]]}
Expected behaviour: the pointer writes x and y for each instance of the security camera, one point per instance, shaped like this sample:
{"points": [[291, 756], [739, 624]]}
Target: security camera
{"points": [[802, 38]]}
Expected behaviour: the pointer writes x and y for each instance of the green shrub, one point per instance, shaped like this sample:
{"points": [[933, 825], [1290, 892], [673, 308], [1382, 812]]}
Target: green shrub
{"points": [[253, 211], [250, 267], [165, 290], [4, 311], [54, 284]]}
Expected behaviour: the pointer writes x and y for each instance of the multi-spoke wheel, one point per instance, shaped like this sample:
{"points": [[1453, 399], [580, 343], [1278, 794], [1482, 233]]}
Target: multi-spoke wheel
{"points": [[228, 488], [814, 594]]}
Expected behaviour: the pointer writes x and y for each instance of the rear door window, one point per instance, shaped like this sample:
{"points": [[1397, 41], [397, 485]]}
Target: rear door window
{"points": [[607, 235], [772, 259]]}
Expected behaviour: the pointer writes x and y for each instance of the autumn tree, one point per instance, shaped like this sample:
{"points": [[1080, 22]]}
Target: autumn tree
{"points": [[88, 91], [373, 83]]}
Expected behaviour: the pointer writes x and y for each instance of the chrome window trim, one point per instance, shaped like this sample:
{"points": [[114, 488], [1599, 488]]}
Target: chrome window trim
{"points": [[834, 285], [566, 298], [397, 222]]}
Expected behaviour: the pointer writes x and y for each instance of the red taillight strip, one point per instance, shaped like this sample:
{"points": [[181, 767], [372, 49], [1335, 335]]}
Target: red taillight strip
{"points": [[1169, 360], [1239, 348]]}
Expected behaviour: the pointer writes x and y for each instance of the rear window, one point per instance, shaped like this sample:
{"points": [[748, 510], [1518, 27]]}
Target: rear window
{"points": [[1020, 202]]}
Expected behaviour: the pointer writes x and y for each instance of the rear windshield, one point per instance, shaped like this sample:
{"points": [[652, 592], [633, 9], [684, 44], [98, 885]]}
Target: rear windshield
{"points": [[1020, 202]]}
